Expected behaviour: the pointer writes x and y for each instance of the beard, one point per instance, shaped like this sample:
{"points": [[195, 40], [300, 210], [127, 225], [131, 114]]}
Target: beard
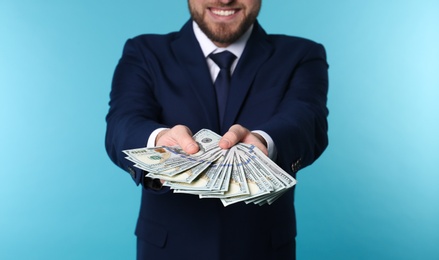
{"points": [[223, 33]]}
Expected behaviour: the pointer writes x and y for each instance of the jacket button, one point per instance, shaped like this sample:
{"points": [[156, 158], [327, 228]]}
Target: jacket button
{"points": [[295, 167], [131, 172]]}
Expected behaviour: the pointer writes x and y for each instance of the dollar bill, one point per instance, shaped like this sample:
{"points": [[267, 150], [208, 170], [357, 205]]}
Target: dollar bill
{"points": [[242, 173], [234, 184]]}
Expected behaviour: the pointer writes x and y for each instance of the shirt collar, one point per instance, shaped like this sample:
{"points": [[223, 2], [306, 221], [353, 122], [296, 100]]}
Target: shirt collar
{"points": [[208, 47]]}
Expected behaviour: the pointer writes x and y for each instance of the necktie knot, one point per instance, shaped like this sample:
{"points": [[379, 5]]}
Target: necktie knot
{"points": [[223, 59]]}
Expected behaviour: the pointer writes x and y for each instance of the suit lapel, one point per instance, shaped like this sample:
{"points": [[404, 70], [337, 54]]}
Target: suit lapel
{"points": [[189, 55], [256, 52]]}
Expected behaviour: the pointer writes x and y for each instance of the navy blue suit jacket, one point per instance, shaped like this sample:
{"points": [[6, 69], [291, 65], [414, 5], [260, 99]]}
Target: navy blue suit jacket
{"points": [[279, 86]]}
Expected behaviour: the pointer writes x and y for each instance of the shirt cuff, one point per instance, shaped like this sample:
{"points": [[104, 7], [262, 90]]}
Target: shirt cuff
{"points": [[271, 147], [153, 136]]}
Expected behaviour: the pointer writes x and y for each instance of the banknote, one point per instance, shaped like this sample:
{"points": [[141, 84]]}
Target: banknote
{"points": [[234, 183], [202, 184], [257, 183], [173, 160], [242, 173]]}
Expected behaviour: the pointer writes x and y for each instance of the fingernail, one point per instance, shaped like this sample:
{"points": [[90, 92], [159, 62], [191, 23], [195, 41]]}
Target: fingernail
{"points": [[191, 147], [224, 143]]}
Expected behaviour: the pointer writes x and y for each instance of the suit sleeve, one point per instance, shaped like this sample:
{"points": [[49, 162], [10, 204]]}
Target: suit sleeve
{"points": [[299, 128], [133, 112]]}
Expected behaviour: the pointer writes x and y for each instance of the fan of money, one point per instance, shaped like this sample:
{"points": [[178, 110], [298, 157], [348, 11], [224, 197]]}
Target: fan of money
{"points": [[239, 174]]}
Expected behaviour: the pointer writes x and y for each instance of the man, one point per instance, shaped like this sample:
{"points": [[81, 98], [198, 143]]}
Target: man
{"points": [[163, 92]]}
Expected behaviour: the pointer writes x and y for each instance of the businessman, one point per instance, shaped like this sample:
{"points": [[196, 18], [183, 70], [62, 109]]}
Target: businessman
{"points": [[222, 72]]}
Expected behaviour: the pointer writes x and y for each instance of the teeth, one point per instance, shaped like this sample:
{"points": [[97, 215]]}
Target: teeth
{"points": [[223, 12]]}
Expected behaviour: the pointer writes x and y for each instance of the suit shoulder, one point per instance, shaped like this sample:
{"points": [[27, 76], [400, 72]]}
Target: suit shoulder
{"points": [[154, 39], [149, 45], [294, 45], [281, 39]]}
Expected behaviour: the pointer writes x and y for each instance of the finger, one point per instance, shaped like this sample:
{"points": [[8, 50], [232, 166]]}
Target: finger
{"points": [[183, 136], [235, 134], [178, 135]]}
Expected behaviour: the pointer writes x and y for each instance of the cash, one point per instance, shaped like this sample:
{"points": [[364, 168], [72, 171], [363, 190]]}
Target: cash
{"points": [[242, 173]]}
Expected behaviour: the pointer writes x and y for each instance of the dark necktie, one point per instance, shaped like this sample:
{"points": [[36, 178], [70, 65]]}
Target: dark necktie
{"points": [[224, 61]]}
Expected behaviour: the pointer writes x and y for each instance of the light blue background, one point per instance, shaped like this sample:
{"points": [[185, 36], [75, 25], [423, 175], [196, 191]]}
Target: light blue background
{"points": [[373, 194]]}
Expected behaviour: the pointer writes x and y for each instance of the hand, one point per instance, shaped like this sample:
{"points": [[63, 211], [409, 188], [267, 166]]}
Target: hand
{"points": [[178, 135], [238, 133]]}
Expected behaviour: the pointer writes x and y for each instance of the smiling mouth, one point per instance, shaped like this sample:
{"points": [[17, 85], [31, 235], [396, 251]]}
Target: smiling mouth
{"points": [[223, 13]]}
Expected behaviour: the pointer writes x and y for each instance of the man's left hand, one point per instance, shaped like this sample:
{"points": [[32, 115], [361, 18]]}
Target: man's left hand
{"points": [[238, 133]]}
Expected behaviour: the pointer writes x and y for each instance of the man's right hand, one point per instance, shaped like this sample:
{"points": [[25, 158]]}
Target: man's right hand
{"points": [[178, 135]]}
